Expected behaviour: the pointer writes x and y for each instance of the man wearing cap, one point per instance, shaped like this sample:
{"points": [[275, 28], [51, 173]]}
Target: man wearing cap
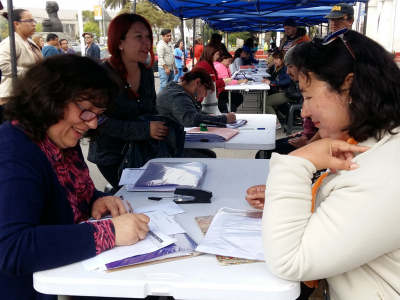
{"points": [[91, 50], [293, 35], [341, 16]]}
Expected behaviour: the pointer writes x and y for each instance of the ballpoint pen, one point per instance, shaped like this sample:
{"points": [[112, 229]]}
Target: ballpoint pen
{"points": [[125, 203]]}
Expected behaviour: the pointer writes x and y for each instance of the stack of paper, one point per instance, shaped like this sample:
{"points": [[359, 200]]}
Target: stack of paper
{"points": [[214, 134], [165, 239]]}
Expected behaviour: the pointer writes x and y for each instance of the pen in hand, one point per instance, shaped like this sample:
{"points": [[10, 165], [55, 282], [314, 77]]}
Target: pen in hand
{"points": [[227, 106], [125, 204]]}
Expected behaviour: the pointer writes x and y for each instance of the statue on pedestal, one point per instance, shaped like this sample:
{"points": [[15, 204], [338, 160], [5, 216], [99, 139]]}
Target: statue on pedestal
{"points": [[53, 23]]}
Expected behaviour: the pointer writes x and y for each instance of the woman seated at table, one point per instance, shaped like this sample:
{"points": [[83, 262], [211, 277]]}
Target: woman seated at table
{"points": [[346, 228], [46, 189], [278, 82], [130, 41], [179, 101], [208, 57], [222, 68], [239, 59]]}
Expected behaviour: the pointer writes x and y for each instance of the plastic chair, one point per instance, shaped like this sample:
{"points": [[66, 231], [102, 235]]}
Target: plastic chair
{"points": [[289, 124], [210, 103]]}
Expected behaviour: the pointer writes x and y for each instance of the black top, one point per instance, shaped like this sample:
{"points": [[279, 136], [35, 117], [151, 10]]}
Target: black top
{"points": [[124, 124]]}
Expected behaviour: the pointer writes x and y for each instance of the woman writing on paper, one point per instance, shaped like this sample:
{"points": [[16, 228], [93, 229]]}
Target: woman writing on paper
{"points": [[46, 190], [222, 68], [346, 228]]}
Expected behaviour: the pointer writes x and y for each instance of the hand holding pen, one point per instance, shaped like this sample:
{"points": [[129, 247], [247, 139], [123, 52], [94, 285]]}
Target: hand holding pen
{"points": [[116, 206]]}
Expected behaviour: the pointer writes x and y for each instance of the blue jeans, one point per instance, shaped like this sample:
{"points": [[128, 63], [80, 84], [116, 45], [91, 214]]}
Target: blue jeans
{"points": [[164, 78], [179, 75]]}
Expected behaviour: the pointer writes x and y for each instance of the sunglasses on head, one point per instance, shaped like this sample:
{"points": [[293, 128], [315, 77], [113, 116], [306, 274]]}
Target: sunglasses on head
{"points": [[339, 34], [87, 115]]}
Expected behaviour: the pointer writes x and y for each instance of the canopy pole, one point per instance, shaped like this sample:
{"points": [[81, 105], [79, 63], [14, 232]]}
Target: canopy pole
{"points": [[365, 19], [194, 38], [12, 42], [134, 6], [202, 36], [183, 40], [227, 41]]}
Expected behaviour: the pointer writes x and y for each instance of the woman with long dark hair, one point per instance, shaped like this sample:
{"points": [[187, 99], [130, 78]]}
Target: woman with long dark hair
{"points": [[130, 40], [346, 227]]}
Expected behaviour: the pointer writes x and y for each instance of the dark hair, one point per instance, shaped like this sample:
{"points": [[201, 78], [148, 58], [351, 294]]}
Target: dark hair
{"points": [[270, 50], [178, 43], [375, 89], [41, 96], [223, 56], [215, 39], [51, 36], [273, 45], [249, 43], [279, 54], [62, 40], [117, 30], [16, 14], [255, 44], [198, 41], [164, 31], [238, 52], [201, 73], [208, 53]]}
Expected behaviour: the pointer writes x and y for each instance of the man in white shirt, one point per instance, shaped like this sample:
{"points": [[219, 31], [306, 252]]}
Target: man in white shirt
{"points": [[166, 59]]}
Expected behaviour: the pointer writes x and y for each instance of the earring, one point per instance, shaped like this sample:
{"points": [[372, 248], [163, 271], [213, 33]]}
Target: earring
{"points": [[121, 49], [350, 102], [195, 95]]}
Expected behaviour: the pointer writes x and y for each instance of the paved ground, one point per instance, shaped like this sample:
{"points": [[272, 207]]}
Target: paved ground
{"points": [[250, 106]]}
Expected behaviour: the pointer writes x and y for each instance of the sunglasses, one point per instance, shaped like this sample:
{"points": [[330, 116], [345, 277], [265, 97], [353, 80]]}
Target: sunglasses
{"points": [[87, 115], [87, 37], [339, 34]]}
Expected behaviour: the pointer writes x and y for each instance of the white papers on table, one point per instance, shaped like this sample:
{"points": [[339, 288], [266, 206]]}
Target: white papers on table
{"points": [[154, 240], [170, 208], [131, 175], [159, 220], [235, 233]]}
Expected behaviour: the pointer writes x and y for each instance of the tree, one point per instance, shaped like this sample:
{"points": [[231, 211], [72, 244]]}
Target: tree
{"points": [[92, 27], [39, 27], [3, 28], [87, 15], [113, 4]]}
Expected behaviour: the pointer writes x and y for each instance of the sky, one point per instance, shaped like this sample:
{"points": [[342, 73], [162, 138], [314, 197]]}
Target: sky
{"points": [[63, 4]]}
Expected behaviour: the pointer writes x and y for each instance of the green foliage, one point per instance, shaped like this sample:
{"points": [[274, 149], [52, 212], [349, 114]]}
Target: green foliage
{"points": [[87, 15], [113, 4], [3, 28], [237, 35], [39, 27], [92, 27]]}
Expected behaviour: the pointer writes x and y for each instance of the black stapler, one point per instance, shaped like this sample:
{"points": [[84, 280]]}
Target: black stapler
{"points": [[217, 124], [199, 196]]}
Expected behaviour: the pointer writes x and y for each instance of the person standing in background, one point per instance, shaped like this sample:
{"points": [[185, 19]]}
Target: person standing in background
{"points": [[178, 53], [38, 41], [27, 52], [341, 16], [51, 46], [64, 47], [166, 60], [91, 50], [198, 49]]}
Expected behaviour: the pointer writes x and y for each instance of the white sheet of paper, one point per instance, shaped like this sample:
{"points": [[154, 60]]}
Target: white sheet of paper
{"points": [[163, 222], [130, 175], [234, 234], [170, 208], [154, 240]]}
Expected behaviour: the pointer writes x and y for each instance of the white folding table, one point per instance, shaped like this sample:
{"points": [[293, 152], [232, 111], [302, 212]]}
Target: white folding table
{"points": [[197, 278], [257, 134], [257, 86]]}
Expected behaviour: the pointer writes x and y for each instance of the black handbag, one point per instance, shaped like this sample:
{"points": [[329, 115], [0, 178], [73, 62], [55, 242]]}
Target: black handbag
{"points": [[293, 92]]}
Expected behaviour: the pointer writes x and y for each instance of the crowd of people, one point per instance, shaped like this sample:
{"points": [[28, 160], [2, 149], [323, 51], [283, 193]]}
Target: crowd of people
{"points": [[341, 232]]}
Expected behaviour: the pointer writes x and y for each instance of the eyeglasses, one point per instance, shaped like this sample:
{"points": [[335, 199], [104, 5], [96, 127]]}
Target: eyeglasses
{"points": [[339, 34], [87, 37], [28, 21], [87, 115], [209, 91], [338, 20]]}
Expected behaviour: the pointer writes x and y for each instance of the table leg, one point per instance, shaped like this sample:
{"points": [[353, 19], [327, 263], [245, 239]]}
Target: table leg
{"points": [[264, 99], [229, 99], [262, 153]]}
